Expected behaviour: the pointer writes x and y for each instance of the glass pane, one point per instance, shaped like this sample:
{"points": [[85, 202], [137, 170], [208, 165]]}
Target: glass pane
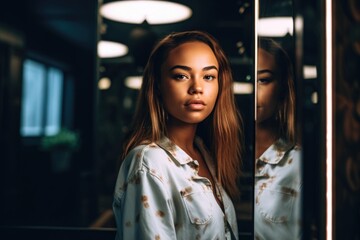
{"points": [[54, 101], [278, 154], [32, 99]]}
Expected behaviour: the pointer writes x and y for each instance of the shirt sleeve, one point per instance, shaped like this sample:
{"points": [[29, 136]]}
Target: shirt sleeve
{"points": [[143, 209]]}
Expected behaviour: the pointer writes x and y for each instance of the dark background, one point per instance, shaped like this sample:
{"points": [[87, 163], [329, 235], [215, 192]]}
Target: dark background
{"points": [[64, 33]]}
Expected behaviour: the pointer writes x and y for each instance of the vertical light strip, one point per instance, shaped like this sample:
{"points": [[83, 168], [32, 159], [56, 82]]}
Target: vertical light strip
{"points": [[256, 17], [329, 120]]}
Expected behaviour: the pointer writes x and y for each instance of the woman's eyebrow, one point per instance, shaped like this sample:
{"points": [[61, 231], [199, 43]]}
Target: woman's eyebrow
{"points": [[189, 68], [181, 67], [265, 71], [210, 67]]}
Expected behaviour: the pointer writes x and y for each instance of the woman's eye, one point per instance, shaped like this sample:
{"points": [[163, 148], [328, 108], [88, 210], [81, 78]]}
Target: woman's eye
{"points": [[180, 77], [209, 77], [264, 80]]}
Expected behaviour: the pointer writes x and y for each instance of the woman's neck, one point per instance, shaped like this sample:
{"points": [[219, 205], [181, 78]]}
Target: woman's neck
{"points": [[266, 134], [182, 135]]}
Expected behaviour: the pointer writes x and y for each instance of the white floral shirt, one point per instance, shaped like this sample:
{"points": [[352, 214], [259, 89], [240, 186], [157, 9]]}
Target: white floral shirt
{"points": [[159, 195], [278, 185]]}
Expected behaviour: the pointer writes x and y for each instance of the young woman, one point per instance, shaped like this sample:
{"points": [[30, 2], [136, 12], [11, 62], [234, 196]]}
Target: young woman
{"points": [[278, 179], [182, 158]]}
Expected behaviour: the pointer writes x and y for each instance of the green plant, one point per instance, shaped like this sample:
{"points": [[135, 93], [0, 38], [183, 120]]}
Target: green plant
{"points": [[65, 139]]}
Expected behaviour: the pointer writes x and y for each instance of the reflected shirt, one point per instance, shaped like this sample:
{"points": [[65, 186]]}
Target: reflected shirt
{"points": [[278, 185], [159, 195]]}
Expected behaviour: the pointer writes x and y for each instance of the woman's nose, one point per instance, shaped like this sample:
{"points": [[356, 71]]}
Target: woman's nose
{"points": [[195, 88]]}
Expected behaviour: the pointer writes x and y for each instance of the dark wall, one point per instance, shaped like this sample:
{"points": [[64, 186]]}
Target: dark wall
{"points": [[347, 119], [31, 193]]}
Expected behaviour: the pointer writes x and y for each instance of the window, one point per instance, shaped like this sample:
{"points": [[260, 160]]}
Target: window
{"points": [[41, 99]]}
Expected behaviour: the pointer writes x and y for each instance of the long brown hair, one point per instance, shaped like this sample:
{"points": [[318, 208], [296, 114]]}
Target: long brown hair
{"points": [[221, 131], [284, 67]]}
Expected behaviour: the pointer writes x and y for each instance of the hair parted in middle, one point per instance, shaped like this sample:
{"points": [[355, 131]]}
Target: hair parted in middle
{"points": [[221, 131]]}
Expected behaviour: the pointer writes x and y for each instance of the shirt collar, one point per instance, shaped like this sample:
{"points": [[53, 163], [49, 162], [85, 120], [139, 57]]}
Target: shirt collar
{"points": [[276, 151], [178, 155]]}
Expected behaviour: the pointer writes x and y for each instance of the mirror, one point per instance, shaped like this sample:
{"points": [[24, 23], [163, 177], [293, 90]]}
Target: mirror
{"points": [[278, 158]]}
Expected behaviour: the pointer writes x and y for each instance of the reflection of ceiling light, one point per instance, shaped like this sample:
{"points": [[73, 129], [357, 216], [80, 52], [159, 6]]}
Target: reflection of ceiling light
{"points": [[275, 26], [104, 83], [107, 49], [243, 88], [133, 82], [154, 12], [309, 72]]}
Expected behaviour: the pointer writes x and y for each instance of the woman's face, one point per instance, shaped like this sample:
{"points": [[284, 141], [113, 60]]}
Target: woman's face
{"points": [[189, 82], [268, 86]]}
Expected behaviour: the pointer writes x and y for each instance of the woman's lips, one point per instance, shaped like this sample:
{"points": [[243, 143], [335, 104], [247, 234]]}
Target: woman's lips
{"points": [[195, 104]]}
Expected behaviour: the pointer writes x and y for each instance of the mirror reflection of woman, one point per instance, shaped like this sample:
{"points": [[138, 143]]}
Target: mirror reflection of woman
{"points": [[182, 158], [278, 180]]}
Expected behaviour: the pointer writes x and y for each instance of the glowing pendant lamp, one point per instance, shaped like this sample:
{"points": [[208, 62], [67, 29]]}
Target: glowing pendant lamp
{"points": [[154, 12]]}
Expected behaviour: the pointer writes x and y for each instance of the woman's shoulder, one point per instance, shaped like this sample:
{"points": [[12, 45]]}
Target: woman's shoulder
{"points": [[139, 163], [146, 157], [145, 153]]}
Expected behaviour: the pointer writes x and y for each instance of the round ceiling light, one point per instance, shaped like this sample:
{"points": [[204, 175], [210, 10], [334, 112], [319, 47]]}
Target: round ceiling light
{"points": [[108, 49], [154, 12]]}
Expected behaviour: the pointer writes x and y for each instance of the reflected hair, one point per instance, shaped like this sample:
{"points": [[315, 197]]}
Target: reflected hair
{"points": [[284, 69], [221, 131]]}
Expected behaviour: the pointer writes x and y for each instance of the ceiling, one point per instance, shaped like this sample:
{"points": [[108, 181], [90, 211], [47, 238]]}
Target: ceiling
{"points": [[222, 20], [74, 21], [230, 21]]}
